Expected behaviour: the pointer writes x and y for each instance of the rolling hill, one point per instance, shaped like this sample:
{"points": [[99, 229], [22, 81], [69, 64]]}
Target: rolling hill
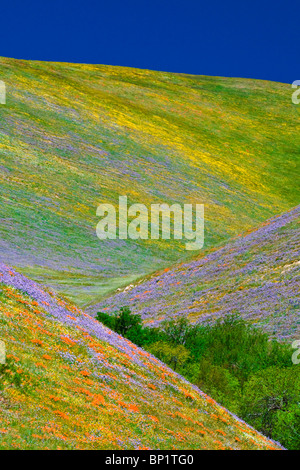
{"points": [[73, 136], [256, 275], [71, 383]]}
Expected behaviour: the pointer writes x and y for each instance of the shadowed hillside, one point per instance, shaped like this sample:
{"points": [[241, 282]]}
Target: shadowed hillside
{"points": [[73, 136], [255, 275], [70, 382]]}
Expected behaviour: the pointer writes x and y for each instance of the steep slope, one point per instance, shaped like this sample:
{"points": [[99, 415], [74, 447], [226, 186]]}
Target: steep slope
{"points": [[69, 382], [255, 275], [73, 136]]}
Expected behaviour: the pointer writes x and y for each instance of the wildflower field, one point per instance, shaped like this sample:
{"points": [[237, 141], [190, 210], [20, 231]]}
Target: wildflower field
{"points": [[73, 136], [255, 275], [71, 383]]}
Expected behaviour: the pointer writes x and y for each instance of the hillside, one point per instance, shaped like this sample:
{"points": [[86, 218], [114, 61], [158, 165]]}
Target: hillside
{"points": [[71, 383], [73, 136], [256, 276]]}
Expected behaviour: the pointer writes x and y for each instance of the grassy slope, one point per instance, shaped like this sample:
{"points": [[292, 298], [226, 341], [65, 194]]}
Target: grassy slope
{"points": [[72, 136], [256, 275], [72, 383]]}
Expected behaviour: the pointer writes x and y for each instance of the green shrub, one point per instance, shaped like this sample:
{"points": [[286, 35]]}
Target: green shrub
{"points": [[231, 361], [175, 356], [268, 396]]}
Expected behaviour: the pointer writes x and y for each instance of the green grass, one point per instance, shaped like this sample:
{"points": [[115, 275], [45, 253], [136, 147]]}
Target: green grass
{"points": [[92, 288], [73, 136]]}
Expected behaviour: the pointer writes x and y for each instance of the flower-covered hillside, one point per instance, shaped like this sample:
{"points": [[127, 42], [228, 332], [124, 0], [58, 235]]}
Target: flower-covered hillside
{"points": [[256, 275], [71, 383], [73, 136]]}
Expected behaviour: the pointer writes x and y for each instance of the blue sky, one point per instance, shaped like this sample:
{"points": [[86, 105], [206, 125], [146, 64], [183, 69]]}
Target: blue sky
{"points": [[257, 39]]}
